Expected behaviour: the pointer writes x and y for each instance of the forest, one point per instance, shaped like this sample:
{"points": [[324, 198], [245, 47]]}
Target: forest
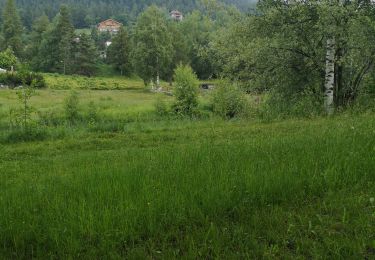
{"points": [[85, 13], [230, 130]]}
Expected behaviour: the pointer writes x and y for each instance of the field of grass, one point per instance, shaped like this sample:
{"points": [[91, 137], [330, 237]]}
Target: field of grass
{"points": [[294, 189], [136, 186]]}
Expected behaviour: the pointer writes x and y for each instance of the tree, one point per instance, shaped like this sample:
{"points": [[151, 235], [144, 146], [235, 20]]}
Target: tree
{"points": [[40, 26], [56, 51], [186, 90], [8, 60], [12, 28], [119, 52], [153, 49], [85, 56], [320, 49]]}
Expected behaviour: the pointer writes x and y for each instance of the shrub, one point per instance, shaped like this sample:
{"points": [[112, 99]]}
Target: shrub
{"points": [[278, 106], [14, 79], [161, 107], [32, 134], [228, 100], [49, 118], [92, 113], [71, 108], [186, 90], [8, 60]]}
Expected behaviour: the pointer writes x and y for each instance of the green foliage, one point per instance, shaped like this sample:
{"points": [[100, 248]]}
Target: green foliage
{"points": [[23, 78], [284, 49], [20, 118], [228, 100], [185, 90], [40, 26], [305, 105], [71, 108], [66, 82], [8, 60], [31, 135], [161, 107], [12, 28], [118, 53], [56, 50], [153, 49], [85, 56], [92, 113]]}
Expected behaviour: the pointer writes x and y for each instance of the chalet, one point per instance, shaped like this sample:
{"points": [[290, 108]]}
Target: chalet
{"points": [[176, 15], [110, 26]]}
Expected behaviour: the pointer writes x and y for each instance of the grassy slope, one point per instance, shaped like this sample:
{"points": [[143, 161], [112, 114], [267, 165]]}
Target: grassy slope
{"points": [[195, 190]]}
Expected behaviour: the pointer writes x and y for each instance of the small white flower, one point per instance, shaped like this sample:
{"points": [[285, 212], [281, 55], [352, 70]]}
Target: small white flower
{"points": [[372, 200]]}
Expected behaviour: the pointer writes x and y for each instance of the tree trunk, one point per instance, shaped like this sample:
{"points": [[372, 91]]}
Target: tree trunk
{"points": [[330, 76]]}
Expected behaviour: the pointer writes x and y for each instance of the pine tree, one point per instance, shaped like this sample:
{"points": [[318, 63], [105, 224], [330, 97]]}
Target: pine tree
{"points": [[85, 56], [39, 27], [65, 31], [56, 52], [12, 28], [118, 52]]}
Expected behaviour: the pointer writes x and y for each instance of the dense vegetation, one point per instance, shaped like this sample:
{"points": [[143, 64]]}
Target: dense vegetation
{"points": [[150, 188], [89, 12], [229, 134]]}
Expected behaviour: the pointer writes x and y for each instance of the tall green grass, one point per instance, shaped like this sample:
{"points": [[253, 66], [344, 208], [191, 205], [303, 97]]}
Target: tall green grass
{"points": [[214, 189]]}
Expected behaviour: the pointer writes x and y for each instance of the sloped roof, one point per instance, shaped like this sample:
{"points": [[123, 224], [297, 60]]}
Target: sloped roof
{"points": [[110, 21]]}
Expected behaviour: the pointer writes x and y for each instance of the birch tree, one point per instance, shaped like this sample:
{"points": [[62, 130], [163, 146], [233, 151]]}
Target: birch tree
{"points": [[153, 49]]}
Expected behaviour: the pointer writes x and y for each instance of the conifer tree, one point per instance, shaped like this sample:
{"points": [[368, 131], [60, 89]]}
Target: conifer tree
{"points": [[85, 56], [39, 27], [56, 53], [12, 28], [118, 52]]}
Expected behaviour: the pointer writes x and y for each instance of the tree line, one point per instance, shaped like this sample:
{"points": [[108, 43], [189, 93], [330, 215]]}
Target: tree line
{"points": [[85, 13], [302, 54]]}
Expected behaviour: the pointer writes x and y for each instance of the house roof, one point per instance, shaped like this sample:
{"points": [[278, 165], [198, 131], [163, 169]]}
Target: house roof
{"points": [[176, 12], [112, 21]]}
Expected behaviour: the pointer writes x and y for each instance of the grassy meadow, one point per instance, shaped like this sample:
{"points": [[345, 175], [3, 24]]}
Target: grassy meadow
{"points": [[154, 188]]}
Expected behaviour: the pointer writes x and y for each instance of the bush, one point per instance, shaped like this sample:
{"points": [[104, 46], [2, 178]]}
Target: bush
{"points": [[228, 100], [278, 106], [186, 90], [49, 118], [71, 108], [32, 134], [161, 107], [14, 79], [8, 60], [92, 113]]}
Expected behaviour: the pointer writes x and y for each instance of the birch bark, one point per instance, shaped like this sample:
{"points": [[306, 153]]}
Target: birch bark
{"points": [[329, 76]]}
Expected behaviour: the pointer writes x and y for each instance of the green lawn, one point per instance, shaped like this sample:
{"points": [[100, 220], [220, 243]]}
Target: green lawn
{"points": [[193, 189]]}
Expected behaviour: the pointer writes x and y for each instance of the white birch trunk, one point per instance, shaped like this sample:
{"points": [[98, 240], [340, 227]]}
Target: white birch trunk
{"points": [[330, 76], [158, 80]]}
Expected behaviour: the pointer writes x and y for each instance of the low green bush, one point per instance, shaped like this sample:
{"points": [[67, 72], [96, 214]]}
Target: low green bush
{"points": [[161, 107], [186, 91], [14, 79], [228, 100], [71, 108], [30, 135], [302, 105]]}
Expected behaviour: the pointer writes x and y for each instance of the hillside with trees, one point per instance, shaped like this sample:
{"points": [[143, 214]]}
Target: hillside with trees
{"points": [[89, 12]]}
